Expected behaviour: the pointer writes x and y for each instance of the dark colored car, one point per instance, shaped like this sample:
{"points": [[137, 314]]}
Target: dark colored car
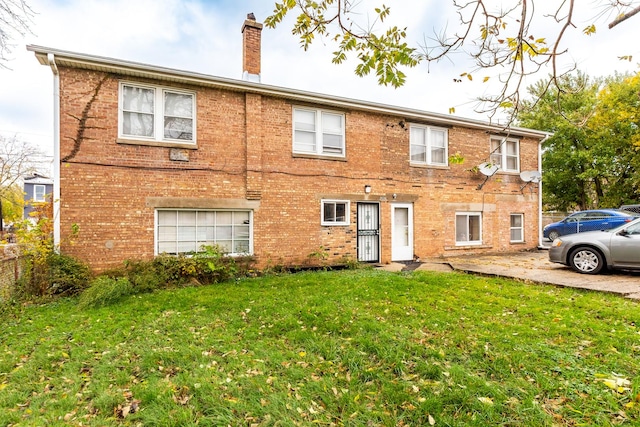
{"points": [[579, 222], [593, 251]]}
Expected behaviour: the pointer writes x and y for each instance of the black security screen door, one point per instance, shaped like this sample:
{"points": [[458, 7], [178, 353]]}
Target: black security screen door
{"points": [[368, 232]]}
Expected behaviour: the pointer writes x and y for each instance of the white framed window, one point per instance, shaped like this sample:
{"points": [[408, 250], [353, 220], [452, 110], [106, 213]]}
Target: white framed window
{"points": [[429, 145], [155, 113], [318, 132], [516, 228], [335, 212], [505, 153], [39, 193], [185, 231], [468, 228]]}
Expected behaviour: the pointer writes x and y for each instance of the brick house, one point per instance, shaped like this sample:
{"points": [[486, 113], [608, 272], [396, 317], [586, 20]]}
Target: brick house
{"points": [[153, 160]]}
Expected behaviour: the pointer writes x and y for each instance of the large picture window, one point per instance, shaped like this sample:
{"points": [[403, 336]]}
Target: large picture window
{"points": [[428, 145], [156, 114], [505, 153], [318, 132], [185, 231], [335, 212], [468, 228]]}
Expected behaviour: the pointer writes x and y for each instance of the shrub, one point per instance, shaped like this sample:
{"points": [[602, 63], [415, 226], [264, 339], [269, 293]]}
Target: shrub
{"points": [[209, 266], [46, 271], [67, 275], [144, 276], [52, 275], [134, 277], [105, 290], [171, 268]]}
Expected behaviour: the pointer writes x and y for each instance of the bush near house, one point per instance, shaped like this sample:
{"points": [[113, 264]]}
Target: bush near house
{"points": [[207, 267], [48, 273]]}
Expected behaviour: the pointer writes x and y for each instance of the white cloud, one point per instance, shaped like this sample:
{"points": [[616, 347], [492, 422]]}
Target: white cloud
{"points": [[205, 36]]}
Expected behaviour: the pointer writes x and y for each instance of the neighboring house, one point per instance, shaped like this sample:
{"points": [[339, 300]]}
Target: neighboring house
{"points": [[153, 160], [37, 189]]}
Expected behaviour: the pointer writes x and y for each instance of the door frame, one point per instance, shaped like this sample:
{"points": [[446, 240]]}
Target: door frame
{"points": [[404, 252], [368, 234]]}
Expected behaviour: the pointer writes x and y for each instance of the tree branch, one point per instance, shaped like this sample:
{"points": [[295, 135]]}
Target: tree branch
{"points": [[624, 17]]}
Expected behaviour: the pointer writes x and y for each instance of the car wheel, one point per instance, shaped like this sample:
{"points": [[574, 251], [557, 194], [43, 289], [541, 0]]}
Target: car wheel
{"points": [[586, 260], [553, 235]]}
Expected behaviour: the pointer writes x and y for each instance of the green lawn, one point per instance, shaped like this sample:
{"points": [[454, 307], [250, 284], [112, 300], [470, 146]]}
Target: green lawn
{"points": [[355, 348]]}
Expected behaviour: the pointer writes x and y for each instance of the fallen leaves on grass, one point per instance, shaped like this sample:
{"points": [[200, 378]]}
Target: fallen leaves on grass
{"points": [[614, 382], [131, 406], [182, 396], [486, 400]]}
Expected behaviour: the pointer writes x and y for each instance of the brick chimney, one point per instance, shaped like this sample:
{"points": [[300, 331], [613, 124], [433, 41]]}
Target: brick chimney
{"points": [[251, 49]]}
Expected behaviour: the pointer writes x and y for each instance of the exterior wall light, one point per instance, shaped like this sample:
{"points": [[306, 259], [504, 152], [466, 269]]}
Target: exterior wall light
{"points": [[367, 189]]}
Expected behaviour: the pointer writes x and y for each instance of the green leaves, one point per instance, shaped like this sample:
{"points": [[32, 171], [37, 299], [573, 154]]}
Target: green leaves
{"points": [[591, 160], [384, 53]]}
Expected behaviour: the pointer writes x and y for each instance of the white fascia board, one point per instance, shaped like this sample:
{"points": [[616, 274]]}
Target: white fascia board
{"points": [[92, 62]]}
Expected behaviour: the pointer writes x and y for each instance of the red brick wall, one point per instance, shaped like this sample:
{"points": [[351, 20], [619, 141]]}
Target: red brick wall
{"points": [[251, 35], [244, 152]]}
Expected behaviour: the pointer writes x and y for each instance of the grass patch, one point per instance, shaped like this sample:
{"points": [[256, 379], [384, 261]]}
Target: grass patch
{"points": [[349, 348]]}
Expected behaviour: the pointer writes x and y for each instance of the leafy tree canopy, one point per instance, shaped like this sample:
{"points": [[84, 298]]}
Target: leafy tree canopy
{"points": [[503, 38], [593, 158]]}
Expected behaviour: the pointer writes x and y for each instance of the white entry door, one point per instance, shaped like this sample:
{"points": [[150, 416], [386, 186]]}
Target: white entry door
{"points": [[402, 232]]}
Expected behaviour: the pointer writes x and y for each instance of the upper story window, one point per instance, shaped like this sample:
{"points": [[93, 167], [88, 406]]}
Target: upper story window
{"points": [[505, 153], [156, 114], [39, 193], [318, 132], [428, 145]]}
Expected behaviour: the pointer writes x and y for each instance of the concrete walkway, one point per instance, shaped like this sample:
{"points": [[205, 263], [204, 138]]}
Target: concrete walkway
{"points": [[532, 266]]}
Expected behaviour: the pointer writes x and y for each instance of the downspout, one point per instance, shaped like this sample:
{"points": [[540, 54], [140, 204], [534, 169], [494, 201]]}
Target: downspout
{"points": [[56, 150], [540, 245]]}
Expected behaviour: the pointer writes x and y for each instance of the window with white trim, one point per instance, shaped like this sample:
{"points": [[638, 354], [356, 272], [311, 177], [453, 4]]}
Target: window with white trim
{"points": [[505, 153], [157, 114], [468, 228], [516, 228], [185, 231], [335, 212], [318, 132], [429, 145], [39, 193]]}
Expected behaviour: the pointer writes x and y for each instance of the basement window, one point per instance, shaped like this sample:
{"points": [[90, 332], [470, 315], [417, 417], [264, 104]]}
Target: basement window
{"points": [[156, 114]]}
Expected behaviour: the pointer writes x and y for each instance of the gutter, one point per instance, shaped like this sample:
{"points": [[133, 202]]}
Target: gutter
{"points": [[51, 61], [540, 245], [136, 69]]}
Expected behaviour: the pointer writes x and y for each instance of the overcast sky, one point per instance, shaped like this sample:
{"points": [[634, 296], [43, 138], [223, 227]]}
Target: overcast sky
{"points": [[205, 36]]}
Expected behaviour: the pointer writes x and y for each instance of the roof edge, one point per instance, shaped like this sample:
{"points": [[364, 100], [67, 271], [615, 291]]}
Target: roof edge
{"points": [[85, 61]]}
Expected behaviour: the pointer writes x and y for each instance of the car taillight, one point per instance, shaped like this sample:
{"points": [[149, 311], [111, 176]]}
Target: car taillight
{"points": [[628, 220]]}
